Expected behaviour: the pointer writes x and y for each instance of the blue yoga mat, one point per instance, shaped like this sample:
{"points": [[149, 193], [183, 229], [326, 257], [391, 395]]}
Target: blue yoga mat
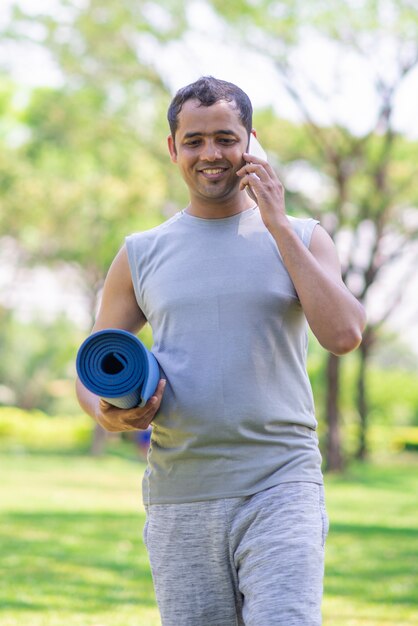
{"points": [[116, 366]]}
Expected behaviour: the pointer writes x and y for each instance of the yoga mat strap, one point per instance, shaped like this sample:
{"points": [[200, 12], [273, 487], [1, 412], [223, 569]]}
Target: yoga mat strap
{"points": [[115, 365]]}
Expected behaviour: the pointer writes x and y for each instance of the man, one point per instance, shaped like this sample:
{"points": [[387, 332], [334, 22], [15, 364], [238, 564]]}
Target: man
{"points": [[236, 522]]}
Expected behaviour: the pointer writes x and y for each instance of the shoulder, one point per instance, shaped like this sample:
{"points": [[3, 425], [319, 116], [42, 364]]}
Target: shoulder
{"points": [[304, 228], [119, 268], [324, 250], [155, 232]]}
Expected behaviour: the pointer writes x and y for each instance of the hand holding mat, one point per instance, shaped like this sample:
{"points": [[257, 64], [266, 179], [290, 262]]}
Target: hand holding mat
{"points": [[115, 365]]}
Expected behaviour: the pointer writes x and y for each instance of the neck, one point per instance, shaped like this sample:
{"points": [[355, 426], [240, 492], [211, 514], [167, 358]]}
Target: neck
{"points": [[221, 208]]}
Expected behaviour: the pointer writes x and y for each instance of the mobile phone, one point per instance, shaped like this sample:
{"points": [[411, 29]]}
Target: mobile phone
{"points": [[255, 148]]}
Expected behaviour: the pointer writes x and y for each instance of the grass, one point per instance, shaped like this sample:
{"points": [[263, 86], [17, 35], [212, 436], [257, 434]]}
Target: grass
{"points": [[372, 551], [71, 549], [71, 552]]}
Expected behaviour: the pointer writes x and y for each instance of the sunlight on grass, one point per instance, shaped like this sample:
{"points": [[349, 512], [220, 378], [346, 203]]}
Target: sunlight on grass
{"points": [[371, 566], [72, 551], [72, 547]]}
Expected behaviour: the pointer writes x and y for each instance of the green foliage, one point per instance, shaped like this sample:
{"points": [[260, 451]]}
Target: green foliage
{"points": [[288, 19], [365, 181], [392, 393], [35, 430], [393, 402], [89, 168], [37, 362], [83, 164], [289, 145], [104, 43], [393, 396], [407, 439]]}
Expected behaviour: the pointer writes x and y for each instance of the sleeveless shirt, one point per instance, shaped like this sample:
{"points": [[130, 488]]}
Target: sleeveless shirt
{"points": [[229, 333]]}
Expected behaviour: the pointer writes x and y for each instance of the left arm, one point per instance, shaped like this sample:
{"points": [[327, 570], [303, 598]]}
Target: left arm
{"points": [[336, 318]]}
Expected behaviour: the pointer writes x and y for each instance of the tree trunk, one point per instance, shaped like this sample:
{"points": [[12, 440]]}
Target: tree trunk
{"points": [[361, 453], [362, 401], [334, 458]]}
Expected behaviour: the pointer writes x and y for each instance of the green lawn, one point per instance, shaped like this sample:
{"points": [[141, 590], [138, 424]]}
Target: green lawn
{"points": [[71, 552], [372, 549]]}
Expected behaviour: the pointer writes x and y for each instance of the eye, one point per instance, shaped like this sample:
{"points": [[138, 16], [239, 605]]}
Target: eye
{"points": [[226, 140]]}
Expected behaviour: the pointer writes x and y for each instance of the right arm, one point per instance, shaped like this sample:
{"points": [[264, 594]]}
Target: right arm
{"points": [[119, 309]]}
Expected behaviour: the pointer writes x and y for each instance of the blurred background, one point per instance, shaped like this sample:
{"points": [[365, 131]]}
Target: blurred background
{"points": [[84, 89]]}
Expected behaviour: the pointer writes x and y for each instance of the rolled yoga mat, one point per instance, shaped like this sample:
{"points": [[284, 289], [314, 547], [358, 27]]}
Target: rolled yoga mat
{"points": [[116, 366]]}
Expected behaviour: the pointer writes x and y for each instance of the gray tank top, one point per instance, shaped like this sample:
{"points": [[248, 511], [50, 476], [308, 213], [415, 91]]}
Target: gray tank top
{"points": [[231, 339]]}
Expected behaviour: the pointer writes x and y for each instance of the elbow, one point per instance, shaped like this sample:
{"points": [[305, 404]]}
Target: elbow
{"points": [[346, 342], [350, 337]]}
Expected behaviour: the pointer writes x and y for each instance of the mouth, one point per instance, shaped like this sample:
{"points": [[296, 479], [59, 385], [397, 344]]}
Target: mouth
{"points": [[212, 173]]}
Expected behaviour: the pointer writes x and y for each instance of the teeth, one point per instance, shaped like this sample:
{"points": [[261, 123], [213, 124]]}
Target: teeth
{"points": [[213, 171]]}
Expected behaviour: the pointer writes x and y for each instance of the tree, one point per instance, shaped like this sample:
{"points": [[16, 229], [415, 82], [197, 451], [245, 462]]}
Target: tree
{"points": [[88, 169], [368, 177], [93, 145], [87, 143], [34, 360]]}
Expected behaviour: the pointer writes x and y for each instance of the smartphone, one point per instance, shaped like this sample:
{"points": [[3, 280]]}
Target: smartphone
{"points": [[255, 148]]}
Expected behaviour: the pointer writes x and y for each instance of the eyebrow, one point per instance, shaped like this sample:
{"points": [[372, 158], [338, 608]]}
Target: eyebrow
{"points": [[216, 132]]}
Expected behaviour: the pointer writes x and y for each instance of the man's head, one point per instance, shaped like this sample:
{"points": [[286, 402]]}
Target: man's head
{"points": [[207, 91], [210, 123]]}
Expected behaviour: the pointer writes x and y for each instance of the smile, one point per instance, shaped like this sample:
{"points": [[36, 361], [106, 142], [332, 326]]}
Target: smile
{"points": [[212, 172], [217, 170]]}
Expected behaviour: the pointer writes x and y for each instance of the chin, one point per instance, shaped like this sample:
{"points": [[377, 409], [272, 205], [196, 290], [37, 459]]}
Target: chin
{"points": [[215, 193]]}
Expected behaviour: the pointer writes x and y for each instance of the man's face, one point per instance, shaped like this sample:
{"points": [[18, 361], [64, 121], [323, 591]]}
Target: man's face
{"points": [[208, 149]]}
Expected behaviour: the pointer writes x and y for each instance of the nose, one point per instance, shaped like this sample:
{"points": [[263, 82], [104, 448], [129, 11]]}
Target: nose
{"points": [[210, 152]]}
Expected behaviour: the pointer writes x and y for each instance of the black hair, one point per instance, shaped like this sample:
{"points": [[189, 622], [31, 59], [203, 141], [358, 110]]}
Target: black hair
{"points": [[208, 90]]}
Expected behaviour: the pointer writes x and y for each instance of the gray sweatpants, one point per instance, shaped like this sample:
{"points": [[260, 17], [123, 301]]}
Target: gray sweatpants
{"points": [[253, 561]]}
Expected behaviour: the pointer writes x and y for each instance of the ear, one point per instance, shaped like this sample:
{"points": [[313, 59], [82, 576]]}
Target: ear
{"points": [[251, 133], [172, 148]]}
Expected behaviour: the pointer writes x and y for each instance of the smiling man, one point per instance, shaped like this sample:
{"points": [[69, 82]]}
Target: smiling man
{"points": [[236, 520], [208, 146]]}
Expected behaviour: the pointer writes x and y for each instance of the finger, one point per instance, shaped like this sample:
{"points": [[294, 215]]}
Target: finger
{"points": [[155, 400], [143, 421], [141, 424], [110, 424], [132, 413], [123, 423], [148, 411], [250, 180], [105, 405], [256, 169], [116, 420], [160, 389], [252, 158]]}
